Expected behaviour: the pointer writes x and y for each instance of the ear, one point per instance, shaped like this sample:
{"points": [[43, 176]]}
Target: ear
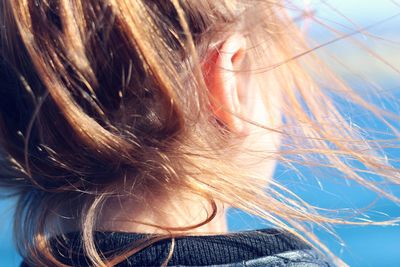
{"points": [[225, 82]]}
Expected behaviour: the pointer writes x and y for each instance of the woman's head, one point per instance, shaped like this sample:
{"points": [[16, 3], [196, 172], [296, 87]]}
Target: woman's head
{"points": [[137, 99], [118, 82]]}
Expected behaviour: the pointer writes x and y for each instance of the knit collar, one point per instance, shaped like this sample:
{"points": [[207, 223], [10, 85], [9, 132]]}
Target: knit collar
{"points": [[188, 251]]}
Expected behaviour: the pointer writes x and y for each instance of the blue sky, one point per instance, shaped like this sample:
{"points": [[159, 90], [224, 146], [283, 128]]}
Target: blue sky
{"points": [[349, 16], [358, 10]]}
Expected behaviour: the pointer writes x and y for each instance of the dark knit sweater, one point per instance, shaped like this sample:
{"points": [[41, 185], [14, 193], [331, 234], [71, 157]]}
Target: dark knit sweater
{"points": [[188, 251]]}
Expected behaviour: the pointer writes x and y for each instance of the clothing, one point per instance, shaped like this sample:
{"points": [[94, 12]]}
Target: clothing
{"points": [[268, 247]]}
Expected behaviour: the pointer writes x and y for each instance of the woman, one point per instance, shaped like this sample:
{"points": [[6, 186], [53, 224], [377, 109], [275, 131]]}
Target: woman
{"points": [[130, 126]]}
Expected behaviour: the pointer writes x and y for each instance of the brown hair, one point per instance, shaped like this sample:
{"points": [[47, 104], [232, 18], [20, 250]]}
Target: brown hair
{"points": [[95, 93]]}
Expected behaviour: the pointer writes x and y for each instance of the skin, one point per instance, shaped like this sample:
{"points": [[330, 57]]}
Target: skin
{"points": [[233, 94]]}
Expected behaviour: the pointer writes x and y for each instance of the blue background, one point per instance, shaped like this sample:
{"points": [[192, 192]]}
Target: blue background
{"points": [[360, 246]]}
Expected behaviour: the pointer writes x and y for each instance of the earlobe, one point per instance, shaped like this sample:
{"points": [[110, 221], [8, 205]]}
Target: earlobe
{"points": [[223, 82]]}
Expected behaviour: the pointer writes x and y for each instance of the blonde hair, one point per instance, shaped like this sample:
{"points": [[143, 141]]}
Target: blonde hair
{"points": [[95, 92]]}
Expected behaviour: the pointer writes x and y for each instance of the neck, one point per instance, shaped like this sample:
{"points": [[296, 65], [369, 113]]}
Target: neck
{"points": [[161, 214]]}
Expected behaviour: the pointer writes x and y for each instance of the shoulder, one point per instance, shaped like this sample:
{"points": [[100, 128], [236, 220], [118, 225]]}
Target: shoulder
{"points": [[295, 258]]}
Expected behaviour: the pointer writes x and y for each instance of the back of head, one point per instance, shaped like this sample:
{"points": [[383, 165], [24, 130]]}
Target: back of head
{"points": [[109, 98]]}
